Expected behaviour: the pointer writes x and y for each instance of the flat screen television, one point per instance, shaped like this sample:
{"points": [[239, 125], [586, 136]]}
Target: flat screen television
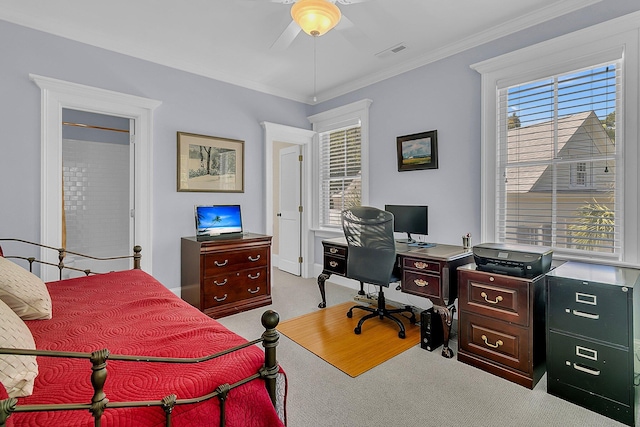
{"points": [[410, 219], [218, 220]]}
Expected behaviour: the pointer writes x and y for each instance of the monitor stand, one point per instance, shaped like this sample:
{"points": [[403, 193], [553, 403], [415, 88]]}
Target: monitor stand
{"points": [[407, 240]]}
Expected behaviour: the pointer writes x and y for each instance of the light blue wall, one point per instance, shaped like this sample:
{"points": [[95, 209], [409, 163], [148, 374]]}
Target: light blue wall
{"points": [[444, 95], [190, 103]]}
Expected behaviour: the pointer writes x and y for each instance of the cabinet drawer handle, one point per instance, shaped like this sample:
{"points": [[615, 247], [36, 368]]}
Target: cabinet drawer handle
{"points": [[333, 264], [253, 259], [333, 251], [420, 265], [254, 292], [226, 261], [421, 282], [253, 277], [497, 300], [586, 370], [220, 284], [587, 315], [220, 299], [496, 345]]}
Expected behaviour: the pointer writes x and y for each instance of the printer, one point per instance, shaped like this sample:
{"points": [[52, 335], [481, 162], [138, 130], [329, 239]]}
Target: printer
{"points": [[512, 260]]}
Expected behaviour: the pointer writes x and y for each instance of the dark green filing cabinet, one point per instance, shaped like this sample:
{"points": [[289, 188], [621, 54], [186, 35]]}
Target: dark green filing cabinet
{"points": [[590, 337]]}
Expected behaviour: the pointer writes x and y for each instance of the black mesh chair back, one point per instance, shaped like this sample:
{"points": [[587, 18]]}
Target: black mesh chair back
{"points": [[371, 256], [372, 248]]}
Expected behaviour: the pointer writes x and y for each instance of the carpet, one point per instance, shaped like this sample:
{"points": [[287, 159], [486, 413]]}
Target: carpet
{"points": [[328, 333]]}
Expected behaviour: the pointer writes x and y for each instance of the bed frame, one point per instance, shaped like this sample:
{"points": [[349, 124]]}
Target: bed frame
{"points": [[99, 401]]}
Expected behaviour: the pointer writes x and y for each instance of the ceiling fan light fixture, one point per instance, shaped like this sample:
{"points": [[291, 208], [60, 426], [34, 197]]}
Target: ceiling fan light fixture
{"points": [[315, 17]]}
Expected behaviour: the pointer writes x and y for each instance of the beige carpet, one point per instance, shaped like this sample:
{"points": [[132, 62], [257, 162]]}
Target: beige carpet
{"points": [[328, 333]]}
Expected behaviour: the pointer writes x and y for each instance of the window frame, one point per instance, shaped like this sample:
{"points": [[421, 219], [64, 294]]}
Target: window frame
{"points": [[336, 119], [609, 41]]}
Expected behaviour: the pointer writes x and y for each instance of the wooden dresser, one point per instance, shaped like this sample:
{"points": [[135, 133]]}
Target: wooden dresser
{"points": [[227, 275], [590, 359], [501, 324]]}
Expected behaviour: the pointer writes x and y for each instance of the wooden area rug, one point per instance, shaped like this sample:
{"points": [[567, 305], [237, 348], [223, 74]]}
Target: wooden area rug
{"points": [[328, 333]]}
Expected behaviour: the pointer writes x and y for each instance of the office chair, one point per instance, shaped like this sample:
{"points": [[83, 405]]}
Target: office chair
{"points": [[371, 257]]}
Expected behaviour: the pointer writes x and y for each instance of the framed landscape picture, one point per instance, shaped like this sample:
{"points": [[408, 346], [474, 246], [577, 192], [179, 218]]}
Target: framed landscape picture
{"points": [[418, 151], [207, 163]]}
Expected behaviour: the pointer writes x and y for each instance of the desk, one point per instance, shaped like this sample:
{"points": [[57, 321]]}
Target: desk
{"points": [[425, 272]]}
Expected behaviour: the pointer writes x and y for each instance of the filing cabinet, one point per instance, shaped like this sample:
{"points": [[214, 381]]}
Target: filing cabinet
{"points": [[591, 338], [501, 325]]}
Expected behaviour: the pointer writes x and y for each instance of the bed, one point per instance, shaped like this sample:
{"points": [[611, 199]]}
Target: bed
{"points": [[120, 349]]}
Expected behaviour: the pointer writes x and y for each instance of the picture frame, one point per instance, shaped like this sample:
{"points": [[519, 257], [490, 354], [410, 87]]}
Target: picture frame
{"points": [[210, 164], [418, 151]]}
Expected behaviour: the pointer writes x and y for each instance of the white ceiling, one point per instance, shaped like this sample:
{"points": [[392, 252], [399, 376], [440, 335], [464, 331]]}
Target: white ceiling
{"points": [[231, 40]]}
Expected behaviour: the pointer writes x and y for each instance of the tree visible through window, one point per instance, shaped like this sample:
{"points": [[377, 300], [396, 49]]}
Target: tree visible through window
{"points": [[557, 161]]}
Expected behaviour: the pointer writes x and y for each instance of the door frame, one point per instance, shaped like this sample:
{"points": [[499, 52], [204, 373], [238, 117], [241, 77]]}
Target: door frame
{"points": [[58, 94], [282, 133]]}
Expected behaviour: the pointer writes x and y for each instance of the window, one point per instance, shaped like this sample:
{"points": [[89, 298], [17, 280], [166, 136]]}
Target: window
{"points": [[559, 149], [551, 132], [341, 163]]}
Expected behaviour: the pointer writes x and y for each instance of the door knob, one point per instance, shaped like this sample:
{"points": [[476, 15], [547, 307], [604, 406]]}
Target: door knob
{"points": [[279, 214]]}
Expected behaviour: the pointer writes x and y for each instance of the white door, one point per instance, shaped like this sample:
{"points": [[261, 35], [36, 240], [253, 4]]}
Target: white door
{"points": [[289, 215]]}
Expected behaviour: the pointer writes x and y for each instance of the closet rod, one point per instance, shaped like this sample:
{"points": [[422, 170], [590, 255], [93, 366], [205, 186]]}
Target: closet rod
{"points": [[82, 125]]}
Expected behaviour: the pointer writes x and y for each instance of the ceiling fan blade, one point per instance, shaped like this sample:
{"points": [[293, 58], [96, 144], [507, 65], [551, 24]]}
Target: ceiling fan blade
{"points": [[350, 1], [352, 34], [286, 38]]}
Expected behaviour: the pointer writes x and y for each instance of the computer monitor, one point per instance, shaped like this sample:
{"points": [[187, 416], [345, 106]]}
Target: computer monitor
{"points": [[409, 219], [218, 220]]}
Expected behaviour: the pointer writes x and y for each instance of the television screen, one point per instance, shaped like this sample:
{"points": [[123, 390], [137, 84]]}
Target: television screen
{"points": [[218, 219], [409, 219]]}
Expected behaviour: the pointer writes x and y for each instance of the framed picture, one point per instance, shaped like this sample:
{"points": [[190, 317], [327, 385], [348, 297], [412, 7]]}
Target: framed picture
{"points": [[418, 151], [207, 163]]}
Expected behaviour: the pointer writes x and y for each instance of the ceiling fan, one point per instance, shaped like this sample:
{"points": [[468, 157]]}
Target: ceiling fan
{"points": [[293, 29]]}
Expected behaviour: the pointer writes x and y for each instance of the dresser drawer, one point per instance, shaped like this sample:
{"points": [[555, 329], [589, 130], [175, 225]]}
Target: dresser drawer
{"points": [[220, 263], [496, 296], [233, 287], [590, 366], [497, 341], [420, 265], [598, 311], [421, 284]]}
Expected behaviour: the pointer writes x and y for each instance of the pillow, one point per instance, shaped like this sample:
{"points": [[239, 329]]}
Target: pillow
{"points": [[24, 292], [17, 373]]}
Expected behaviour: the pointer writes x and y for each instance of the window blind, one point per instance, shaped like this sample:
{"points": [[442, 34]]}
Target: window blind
{"points": [[340, 173], [557, 154]]}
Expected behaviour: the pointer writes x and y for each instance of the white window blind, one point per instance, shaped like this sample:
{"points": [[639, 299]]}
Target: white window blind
{"points": [[557, 182], [340, 173]]}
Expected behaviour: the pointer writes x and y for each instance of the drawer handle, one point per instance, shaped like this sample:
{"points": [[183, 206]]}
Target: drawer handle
{"points": [[586, 370], [497, 300], [586, 315], [333, 264], [254, 292], [333, 251], [421, 265], [220, 299], [496, 345], [253, 277], [226, 261], [253, 259], [220, 284], [421, 282]]}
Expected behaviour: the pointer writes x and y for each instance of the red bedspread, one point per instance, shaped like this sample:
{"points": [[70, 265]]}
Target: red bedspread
{"points": [[130, 312]]}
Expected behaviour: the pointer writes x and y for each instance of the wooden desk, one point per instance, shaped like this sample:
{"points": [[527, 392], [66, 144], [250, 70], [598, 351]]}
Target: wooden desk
{"points": [[425, 272]]}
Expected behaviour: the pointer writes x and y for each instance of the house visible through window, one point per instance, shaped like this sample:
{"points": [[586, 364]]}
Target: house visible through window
{"points": [[340, 173], [556, 161]]}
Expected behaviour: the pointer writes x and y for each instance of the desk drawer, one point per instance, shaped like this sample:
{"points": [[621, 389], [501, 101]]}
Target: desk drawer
{"points": [[335, 251], [224, 262], [494, 340], [421, 284], [420, 264], [335, 265], [591, 366], [496, 296], [233, 287]]}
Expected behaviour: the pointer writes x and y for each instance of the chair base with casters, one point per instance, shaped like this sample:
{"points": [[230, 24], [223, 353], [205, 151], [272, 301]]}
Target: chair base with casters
{"points": [[381, 312]]}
